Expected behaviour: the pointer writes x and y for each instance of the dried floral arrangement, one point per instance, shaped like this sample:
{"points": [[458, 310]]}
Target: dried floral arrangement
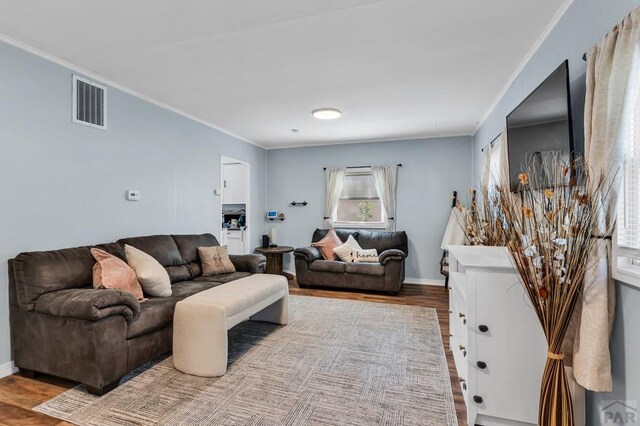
{"points": [[550, 228], [483, 224]]}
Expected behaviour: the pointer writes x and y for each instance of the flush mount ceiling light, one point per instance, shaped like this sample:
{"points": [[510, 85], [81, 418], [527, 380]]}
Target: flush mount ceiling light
{"points": [[326, 113]]}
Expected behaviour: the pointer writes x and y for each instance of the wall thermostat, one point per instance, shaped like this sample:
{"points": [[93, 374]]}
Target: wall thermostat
{"points": [[272, 214], [133, 195]]}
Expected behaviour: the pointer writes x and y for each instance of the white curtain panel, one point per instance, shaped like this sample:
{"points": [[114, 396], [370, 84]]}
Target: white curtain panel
{"points": [[384, 178], [613, 71], [504, 160], [486, 166], [334, 182]]}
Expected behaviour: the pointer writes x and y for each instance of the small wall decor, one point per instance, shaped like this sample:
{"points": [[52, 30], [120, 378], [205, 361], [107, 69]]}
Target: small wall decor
{"points": [[299, 203]]}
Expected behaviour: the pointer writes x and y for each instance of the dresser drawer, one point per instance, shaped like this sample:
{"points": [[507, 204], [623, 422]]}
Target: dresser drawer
{"points": [[458, 281]]}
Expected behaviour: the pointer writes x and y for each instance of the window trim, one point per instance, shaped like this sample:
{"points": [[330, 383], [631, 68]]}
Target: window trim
{"points": [[356, 224], [629, 274]]}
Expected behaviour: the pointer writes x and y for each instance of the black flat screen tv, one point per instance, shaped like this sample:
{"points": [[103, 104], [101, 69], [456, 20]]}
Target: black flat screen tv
{"points": [[540, 127]]}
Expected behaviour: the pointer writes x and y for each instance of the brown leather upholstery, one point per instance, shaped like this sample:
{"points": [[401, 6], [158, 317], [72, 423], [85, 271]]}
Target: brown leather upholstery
{"points": [[89, 304], [188, 245], [223, 278], [60, 325], [161, 247], [40, 272], [388, 275], [327, 266], [155, 313], [365, 269]]}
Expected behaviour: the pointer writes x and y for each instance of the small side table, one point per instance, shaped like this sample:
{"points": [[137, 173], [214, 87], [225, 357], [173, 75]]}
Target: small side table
{"points": [[275, 259]]}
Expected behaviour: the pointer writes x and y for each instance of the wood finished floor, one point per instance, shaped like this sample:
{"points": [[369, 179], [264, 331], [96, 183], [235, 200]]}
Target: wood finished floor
{"points": [[18, 395]]}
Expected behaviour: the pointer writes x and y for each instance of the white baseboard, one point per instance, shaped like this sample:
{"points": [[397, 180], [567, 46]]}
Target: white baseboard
{"points": [[7, 369], [425, 281]]}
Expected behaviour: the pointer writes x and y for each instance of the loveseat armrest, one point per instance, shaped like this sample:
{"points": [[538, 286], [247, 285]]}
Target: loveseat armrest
{"points": [[252, 263], [89, 304], [391, 255], [308, 253]]}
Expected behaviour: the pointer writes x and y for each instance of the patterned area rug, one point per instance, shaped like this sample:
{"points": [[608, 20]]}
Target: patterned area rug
{"points": [[338, 362]]}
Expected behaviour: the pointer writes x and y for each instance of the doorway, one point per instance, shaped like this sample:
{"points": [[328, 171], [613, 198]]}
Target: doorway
{"points": [[235, 201]]}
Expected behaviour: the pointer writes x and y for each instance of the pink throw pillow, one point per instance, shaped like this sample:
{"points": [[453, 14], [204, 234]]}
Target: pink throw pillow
{"points": [[114, 273], [327, 244]]}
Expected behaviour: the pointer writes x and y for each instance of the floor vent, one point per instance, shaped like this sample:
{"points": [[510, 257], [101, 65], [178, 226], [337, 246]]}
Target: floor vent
{"points": [[89, 103]]}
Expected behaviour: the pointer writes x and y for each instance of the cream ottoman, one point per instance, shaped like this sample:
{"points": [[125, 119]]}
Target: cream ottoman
{"points": [[201, 321]]}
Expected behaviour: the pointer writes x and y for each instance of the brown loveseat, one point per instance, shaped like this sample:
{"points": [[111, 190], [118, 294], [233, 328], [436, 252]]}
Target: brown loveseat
{"points": [[61, 325], [387, 275]]}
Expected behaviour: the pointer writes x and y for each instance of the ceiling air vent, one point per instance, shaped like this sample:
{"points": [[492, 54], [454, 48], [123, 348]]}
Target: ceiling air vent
{"points": [[89, 103]]}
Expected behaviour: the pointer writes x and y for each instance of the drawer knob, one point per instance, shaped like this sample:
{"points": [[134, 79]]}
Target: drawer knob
{"points": [[460, 314], [481, 365], [477, 399], [483, 328], [450, 312], [462, 348]]}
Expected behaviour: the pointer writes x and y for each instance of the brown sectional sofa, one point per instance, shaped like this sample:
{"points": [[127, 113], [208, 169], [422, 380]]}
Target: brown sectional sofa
{"points": [[61, 325], [386, 276]]}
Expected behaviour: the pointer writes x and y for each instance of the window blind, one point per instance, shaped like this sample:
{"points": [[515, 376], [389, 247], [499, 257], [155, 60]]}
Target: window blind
{"points": [[628, 224]]}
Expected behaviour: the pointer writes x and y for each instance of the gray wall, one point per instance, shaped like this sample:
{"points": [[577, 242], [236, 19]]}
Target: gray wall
{"points": [[432, 168], [63, 184], [583, 25]]}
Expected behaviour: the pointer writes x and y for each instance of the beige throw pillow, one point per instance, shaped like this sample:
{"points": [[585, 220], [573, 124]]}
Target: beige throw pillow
{"points": [[111, 272], [215, 261], [345, 251], [152, 276], [370, 255]]}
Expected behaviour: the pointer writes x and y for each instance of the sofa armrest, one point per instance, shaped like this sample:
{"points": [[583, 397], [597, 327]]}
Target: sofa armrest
{"points": [[308, 253], [391, 255], [89, 304], [252, 263]]}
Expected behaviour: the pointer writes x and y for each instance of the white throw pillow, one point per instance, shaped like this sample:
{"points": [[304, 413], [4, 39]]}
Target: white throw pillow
{"points": [[370, 255], [152, 276], [344, 251]]}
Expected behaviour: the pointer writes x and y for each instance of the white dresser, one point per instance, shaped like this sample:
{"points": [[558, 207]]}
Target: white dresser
{"points": [[497, 343]]}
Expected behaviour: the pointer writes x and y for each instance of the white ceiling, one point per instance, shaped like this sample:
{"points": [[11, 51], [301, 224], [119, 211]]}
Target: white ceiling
{"points": [[398, 69]]}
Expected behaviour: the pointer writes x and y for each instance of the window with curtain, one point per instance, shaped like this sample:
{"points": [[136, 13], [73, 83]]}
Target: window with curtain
{"points": [[628, 224], [359, 204]]}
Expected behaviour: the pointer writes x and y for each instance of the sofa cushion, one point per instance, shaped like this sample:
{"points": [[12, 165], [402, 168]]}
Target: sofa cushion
{"points": [[327, 244], [366, 256], [115, 249], [223, 278], [155, 313], [327, 266], [365, 268], [215, 261], [384, 240], [113, 272], [343, 234], [161, 247], [188, 245], [178, 273], [153, 277], [41, 272], [345, 251], [188, 288]]}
